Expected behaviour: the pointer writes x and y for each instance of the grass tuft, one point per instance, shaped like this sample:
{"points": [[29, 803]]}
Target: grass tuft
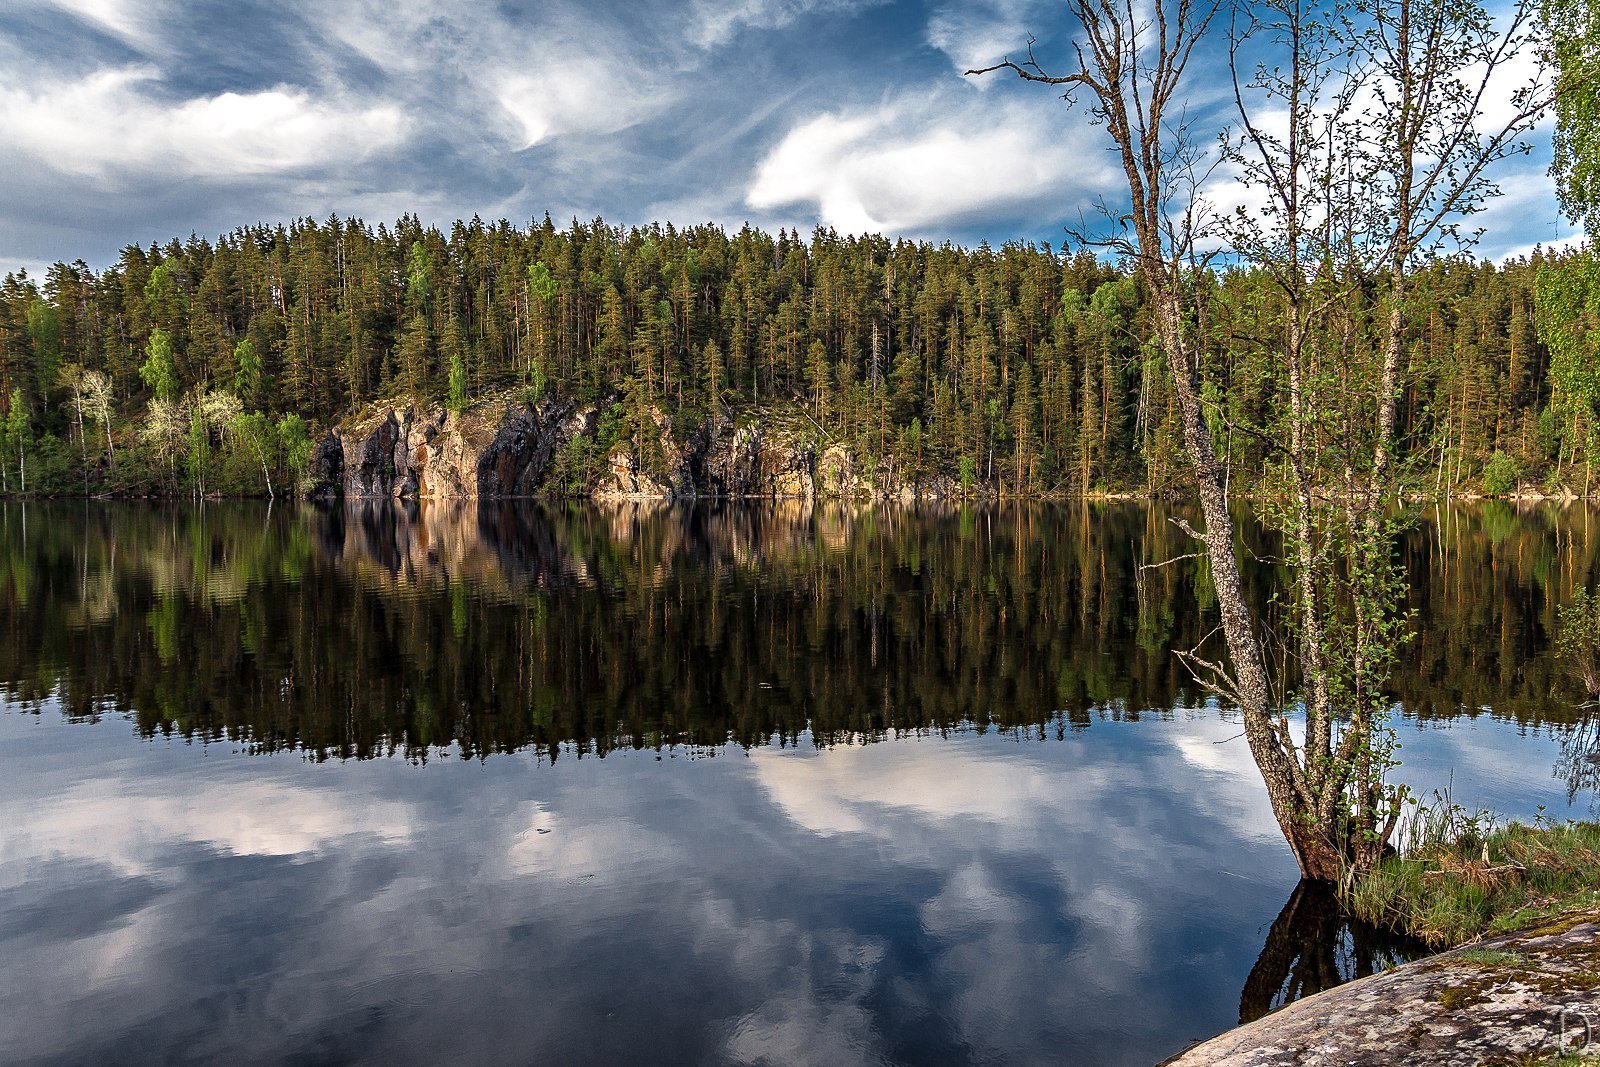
{"points": [[1462, 878]]}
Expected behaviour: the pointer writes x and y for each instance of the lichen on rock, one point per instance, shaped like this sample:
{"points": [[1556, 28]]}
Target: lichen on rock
{"points": [[1521, 995]]}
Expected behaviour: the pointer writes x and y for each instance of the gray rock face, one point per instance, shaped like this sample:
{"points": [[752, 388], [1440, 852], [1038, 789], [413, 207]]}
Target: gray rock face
{"points": [[375, 463], [755, 460], [327, 466], [503, 449], [517, 458], [1529, 994]]}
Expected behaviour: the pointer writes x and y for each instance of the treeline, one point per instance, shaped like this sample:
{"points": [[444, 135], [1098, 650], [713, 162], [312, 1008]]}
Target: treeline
{"points": [[212, 366]]}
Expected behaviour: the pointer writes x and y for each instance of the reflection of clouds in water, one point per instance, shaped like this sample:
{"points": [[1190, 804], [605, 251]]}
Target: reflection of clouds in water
{"points": [[974, 898], [1065, 860], [855, 789], [814, 1010], [255, 818]]}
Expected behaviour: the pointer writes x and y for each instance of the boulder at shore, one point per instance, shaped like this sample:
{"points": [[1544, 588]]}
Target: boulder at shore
{"points": [[1512, 999]]}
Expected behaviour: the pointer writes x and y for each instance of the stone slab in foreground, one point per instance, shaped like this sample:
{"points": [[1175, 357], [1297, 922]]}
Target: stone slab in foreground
{"points": [[1531, 993]]}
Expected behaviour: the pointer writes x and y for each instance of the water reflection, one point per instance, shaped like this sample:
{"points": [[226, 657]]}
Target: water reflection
{"points": [[1312, 946], [1061, 856], [380, 629], [923, 901], [1579, 764]]}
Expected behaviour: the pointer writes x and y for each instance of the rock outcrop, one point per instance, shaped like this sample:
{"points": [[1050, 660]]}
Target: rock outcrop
{"points": [[1511, 999], [658, 466], [503, 449], [517, 460], [752, 461]]}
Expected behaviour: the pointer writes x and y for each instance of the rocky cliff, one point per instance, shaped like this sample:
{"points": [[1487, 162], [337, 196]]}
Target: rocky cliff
{"points": [[504, 448]]}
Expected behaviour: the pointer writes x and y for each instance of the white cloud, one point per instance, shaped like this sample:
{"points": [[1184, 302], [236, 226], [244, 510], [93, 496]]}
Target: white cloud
{"points": [[110, 121], [127, 19], [979, 34], [36, 268], [134, 829], [926, 162], [714, 22], [848, 789], [1524, 216], [573, 95], [1567, 242]]}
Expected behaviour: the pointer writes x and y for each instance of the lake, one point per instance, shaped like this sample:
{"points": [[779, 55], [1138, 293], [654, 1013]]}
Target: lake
{"points": [[524, 783]]}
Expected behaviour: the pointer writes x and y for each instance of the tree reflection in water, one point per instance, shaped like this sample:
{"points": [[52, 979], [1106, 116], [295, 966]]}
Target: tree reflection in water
{"points": [[381, 628], [371, 630], [1579, 765], [1311, 946]]}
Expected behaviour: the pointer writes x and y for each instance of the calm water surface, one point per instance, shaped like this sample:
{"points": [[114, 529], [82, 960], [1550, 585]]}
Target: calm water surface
{"points": [[518, 784]]}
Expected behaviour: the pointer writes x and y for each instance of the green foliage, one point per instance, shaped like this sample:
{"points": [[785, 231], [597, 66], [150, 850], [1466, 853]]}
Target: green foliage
{"points": [[159, 369], [247, 371], [53, 467], [295, 442], [541, 283], [198, 451], [1036, 366], [1501, 475], [16, 434], [1568, 294], [166, 301], [1572, 30], [1473, 878], [44, 334], [1578, 639], [419, 276], [458, 383], [534, 390]]}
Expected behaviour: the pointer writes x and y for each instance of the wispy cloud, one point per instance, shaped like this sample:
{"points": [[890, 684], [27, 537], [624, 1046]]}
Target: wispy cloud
{"points": [[978, 33], [928, 162], [713, 23], [112, 121], [134, 119], [579, 94], [129, 20]]}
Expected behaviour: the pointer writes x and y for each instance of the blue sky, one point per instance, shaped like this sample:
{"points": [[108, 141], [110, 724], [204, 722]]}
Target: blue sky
{"points": [[139, 120]]}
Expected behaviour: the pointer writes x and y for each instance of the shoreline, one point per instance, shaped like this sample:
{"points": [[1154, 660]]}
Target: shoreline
{"points": [[1508, 999], [969, 499]]}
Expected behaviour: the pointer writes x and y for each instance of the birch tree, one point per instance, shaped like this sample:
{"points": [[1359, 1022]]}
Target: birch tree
{"points": [[1376, 156]]}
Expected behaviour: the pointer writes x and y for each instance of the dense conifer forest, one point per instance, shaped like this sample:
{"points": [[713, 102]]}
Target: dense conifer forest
{"points": [[1020, 370]]}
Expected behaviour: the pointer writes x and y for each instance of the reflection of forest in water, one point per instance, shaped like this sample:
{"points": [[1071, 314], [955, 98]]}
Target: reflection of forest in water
{"points": [[377, 628]]}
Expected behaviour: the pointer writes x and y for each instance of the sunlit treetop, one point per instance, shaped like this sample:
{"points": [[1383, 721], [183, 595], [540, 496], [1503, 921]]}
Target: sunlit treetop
{"points": [[1574, 43]]}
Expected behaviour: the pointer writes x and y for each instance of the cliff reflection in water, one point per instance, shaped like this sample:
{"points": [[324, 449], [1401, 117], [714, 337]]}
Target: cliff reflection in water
{"points": [[381, 628]]}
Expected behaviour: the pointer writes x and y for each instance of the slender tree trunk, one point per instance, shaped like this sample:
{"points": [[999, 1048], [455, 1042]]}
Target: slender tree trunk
{"points": [[1319, 725], [1268, 738]]}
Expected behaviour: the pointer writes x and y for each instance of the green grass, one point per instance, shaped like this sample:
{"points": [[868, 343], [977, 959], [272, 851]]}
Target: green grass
{"points": [[1461, 880], [1488, 957]]}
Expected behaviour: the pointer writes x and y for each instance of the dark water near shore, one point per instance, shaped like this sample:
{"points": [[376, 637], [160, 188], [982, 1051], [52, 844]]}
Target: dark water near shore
{"points": [[725, 785]]}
